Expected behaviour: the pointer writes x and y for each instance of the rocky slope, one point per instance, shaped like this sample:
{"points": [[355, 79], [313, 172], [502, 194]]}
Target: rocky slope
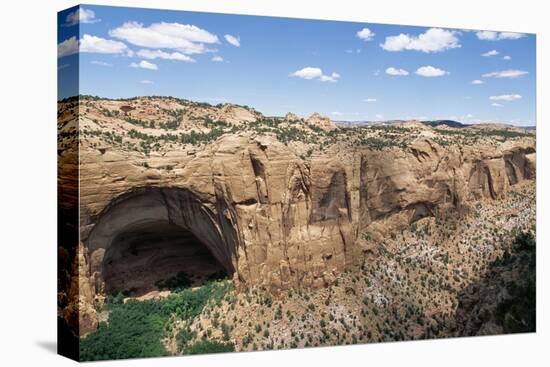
{"points": [[279, 202]]}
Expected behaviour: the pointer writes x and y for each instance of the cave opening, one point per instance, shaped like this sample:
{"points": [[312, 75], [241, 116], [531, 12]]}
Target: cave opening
{"points": [[157, 256], [150, 239]]}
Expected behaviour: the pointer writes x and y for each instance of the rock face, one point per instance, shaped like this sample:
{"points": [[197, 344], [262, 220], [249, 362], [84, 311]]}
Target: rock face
{"points": [[269, 217], [276, 221], [321, 122], [291, 117]]}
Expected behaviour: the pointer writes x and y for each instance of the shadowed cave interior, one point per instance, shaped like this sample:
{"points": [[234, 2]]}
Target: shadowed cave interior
{"points": [[157, 255]]}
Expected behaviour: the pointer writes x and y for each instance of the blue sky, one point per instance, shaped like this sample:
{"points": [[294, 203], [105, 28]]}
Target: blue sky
{"points": [[345, 70]]}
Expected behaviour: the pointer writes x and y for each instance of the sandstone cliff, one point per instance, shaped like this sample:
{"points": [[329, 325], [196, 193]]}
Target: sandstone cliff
{"points": [[277, 209]]}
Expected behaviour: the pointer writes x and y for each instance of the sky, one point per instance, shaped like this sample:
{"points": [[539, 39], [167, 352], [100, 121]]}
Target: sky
{"points": [[345, 70]]}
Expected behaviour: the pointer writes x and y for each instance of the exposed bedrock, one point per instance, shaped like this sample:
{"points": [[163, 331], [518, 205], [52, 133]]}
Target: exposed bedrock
{"points": [[252, 208]]}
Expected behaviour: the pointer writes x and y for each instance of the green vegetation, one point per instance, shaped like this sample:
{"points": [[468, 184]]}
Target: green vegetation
{"points": [[192, 138], [135, 328], [178, 282], [208, 346], [517, 314], [481, 132]]}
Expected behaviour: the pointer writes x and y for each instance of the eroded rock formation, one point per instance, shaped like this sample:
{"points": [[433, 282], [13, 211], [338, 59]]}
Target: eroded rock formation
{"points": [[277, 221], [270, 217]]}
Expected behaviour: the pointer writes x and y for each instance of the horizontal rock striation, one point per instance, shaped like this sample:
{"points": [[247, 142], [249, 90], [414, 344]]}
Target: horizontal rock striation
{"points": [[277, 221]]}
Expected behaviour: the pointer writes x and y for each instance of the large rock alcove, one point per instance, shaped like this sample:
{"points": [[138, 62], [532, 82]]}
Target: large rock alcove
{"points": [[150, 236]]}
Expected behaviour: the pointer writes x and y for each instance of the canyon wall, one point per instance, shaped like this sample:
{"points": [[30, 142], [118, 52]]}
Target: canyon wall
{"points": [[276, 220]]}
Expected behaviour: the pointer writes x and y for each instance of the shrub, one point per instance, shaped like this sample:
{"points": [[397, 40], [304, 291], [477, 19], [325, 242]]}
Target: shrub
{"points": [[207, 346]]}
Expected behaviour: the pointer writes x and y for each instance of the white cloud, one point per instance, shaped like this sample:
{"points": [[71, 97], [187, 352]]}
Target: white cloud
{"points": [[315, 73], [185, 38], [507, 57], [336, 113], [496, 104], [67, 47], [146, 81], [91, 44], [396, 72], [510, 35], [430, 71], [83, 16], [487, 35], [308, 73], [506, 97], [235, 41], [490, 53], [433, 40], [330, 78], [101, 63], [217, 59], [505, 74], [144, 65], [353, 51], [478, 82], [100, 45], [159, 54], [497, 36], [365, 34], [370, 100]]}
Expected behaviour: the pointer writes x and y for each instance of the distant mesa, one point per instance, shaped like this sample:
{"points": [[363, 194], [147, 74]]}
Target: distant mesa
{"points": [[449, 123]]}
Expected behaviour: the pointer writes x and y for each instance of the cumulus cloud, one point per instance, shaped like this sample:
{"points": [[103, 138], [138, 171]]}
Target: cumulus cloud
{"points": [[144, 65], [396, 72], [100, 45], [507, 57], [217, 59], [370, 100], [308, 73], [506, 97], [505, 74], [159, 54], [365, 34], [67, 47], [433, 40], [232, 40], [330, 78], [490, 53], [101, 63], [185, 38], [146, 81], [498, 36], [91, 44], [430, 71], [315, 73], [478, 82], [83, 16]]}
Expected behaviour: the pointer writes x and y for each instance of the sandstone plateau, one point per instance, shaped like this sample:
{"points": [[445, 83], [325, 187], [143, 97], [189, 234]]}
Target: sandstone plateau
{"points": [[279, 203]]}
